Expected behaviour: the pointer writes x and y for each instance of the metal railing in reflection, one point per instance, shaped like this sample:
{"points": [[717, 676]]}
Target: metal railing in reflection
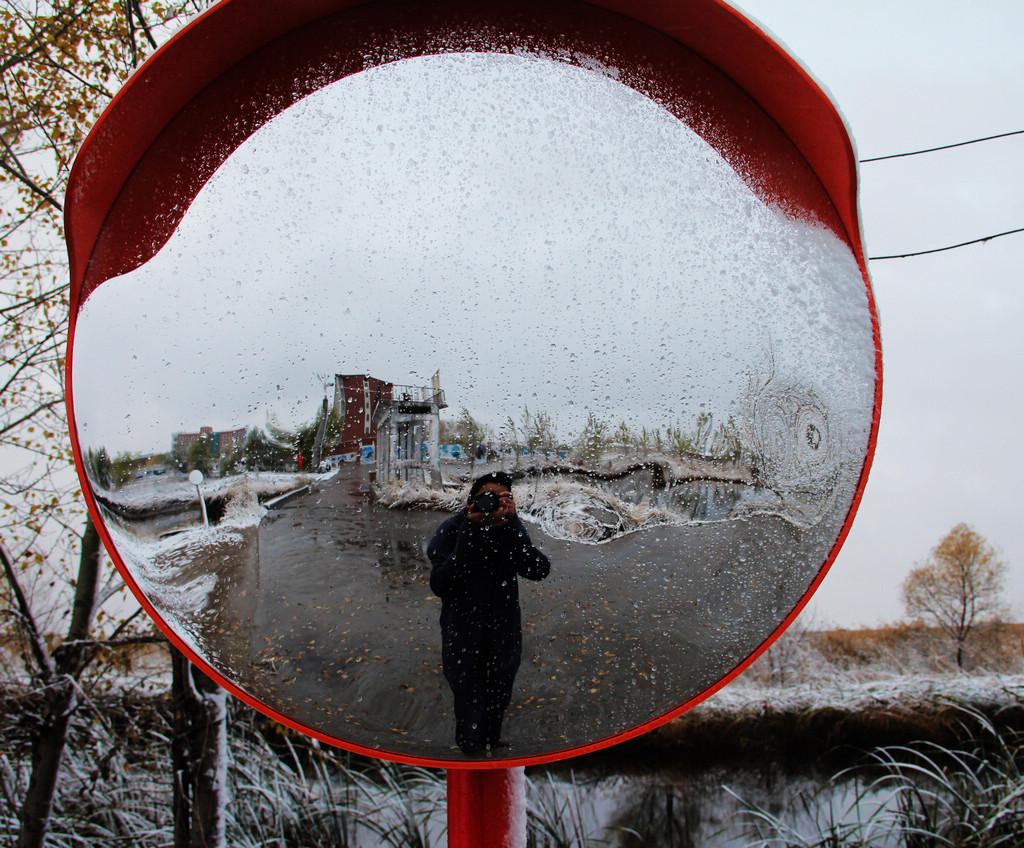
{"points": [[418, 394]]}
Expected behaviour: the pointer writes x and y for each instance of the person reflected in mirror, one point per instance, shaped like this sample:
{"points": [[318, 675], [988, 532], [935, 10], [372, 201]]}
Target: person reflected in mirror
{"points": [[477, 557]]}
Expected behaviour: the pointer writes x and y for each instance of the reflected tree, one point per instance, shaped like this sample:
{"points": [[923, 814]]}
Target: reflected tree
{"points": [[701, 431], [124, 468], [510, 436], [660, 816], [199, 457], [99, 466], [592, 441], [318, 437], [471, 431], [624, 436], [702, 439], [539, 431], [727, 444], [261, 453], [230, 460], [643, 441], [679, 443]]}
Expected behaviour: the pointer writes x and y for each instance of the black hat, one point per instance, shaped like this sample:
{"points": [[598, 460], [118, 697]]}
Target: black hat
{"points": [[499, 477]]}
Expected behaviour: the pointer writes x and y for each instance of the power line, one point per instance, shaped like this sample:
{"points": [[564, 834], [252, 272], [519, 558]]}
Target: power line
{"points": [[948, 247], [932, 150], [942, 147]]}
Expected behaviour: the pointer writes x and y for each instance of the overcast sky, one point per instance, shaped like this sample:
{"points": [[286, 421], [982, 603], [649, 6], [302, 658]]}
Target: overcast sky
{"points": [[912, 76], [542, 234]]}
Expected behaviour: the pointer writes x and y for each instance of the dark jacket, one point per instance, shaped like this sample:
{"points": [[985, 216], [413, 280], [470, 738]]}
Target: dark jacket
{"points": [[475, 568], [475, 573]]}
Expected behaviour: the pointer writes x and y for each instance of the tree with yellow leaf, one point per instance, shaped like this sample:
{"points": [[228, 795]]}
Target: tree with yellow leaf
{"points": [[959, 586], [60, 63]]}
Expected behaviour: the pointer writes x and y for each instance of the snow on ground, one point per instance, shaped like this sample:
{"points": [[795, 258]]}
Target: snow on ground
{"points": [[156, 567], [680, 467], [591, 512], [576, 512], [160, 566], [845, 693], [563, 509], [411, 495], [152, 492], [840, 692]]}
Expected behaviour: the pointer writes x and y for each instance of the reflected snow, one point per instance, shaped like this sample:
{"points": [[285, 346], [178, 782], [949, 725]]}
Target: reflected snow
{"points": [[324, 612]]}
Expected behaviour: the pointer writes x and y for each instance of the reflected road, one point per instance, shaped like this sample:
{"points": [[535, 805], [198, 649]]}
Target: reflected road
{"points": [[329, 619]]}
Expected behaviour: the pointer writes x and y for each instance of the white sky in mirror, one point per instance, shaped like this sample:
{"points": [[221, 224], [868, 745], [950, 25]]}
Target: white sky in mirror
{"points": [[541, 234]]}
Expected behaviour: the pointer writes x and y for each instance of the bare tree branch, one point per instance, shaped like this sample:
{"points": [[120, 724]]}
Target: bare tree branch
{"points": [[19, 173], [35, 638], [30, 415]]}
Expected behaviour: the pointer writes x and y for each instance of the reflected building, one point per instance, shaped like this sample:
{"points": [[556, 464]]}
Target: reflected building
{"points": [[408, 429], [218, 442], [355, 398]]}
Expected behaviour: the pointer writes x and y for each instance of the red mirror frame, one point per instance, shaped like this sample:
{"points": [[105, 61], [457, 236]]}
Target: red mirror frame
{"points": [[210, 87]]}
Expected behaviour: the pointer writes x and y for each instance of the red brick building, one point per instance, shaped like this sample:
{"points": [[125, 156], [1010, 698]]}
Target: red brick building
{"points": [[356, 397]]}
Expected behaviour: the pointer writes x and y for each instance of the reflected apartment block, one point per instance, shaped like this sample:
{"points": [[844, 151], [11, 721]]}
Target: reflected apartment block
{"points": [[218, 442]]}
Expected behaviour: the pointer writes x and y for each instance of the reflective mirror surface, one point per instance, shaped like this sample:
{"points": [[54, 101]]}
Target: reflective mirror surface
{"points": [[454, 265]]}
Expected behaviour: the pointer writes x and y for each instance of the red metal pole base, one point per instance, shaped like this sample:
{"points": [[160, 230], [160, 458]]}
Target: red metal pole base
{"points": [[487, 809]]}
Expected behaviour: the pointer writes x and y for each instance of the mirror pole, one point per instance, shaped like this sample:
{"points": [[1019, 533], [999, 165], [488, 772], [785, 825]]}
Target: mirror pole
{"points": [[487, 808]]}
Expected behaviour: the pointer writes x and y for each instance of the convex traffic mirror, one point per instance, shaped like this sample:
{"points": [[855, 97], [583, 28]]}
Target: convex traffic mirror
{"points": [[532, 379]]}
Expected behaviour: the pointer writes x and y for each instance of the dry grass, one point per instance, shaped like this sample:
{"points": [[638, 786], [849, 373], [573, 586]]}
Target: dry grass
{"points": [[993, 646]]}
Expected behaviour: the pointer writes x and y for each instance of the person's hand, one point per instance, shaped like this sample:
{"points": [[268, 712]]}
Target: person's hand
{"points": [[474, 515]]}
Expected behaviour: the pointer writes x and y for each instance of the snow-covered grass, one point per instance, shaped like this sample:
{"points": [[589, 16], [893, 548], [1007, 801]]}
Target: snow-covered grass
{"points": [[160, 566], [679, 467], [563, 509], [115, 788], [160, 558], [841, 693], [586, 514], [317, 796], [896, 655], [398, 494], [915, 796], [568, 504], [153, 492]]}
